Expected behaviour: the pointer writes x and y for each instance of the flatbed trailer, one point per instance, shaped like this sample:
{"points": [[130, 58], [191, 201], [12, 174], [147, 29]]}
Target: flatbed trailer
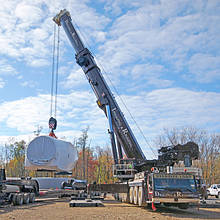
{"points": [[17, 191]]}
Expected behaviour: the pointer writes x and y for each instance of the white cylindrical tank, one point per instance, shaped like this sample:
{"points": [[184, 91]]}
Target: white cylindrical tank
{"points": [[49, 153]]}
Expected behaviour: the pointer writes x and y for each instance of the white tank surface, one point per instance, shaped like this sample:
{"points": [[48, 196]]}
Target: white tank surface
{"points": [[49, 153]]}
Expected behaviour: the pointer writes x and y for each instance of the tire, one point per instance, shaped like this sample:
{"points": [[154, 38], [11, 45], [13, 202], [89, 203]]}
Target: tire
{"points": [[125, 198], [14, 199], [219, 195], [167, 204], [20, 199], [131, 194], [140, 196], [136, 195], [116, 196], [183, 206], [26, 198], [63, 185], [32, 198], [149, 205]]}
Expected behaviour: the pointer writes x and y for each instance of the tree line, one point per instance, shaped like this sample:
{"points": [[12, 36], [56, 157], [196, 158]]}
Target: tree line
{"points": [[95, 163]]}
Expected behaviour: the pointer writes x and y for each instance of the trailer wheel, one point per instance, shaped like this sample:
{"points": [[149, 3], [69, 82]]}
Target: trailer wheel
{"points": [[136, 195], [14, 199], [63, 185], [26, 198], [125, 197], [183, 206], [20, 199], [32, 198], [131, 194], [140, 196]]}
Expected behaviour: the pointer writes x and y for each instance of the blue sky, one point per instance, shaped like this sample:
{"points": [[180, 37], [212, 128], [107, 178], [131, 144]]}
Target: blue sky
{"points": [[163, 57]]}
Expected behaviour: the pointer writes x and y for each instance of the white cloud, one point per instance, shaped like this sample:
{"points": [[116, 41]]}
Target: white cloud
{"points": [[168, 32], [74, 112], [28, 28], [173, 107], [30, 84], [2, 83], [12, 139], [162, 108], [23, 115], [100, 36], [205, 67], [40, 34], [151, 44], [150, 74], [28, 13], [75, 79], [7, 69]]}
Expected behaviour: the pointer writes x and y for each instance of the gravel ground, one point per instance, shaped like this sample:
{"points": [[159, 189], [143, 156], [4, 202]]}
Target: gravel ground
{"points": [[59, 209]]}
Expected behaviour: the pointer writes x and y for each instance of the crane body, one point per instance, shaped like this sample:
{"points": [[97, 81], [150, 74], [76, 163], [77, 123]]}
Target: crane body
{"points": [[142, 177]]}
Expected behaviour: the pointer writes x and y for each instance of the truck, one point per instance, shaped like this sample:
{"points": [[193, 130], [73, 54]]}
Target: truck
{"points": [[141, 181], [17, 191], [214, 190]]}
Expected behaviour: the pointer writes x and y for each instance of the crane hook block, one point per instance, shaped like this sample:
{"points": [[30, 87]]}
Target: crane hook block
{"points": [[52, 123]]}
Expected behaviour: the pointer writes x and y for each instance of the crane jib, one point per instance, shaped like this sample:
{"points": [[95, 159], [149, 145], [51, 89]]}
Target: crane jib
{"points": [[124, 135]]}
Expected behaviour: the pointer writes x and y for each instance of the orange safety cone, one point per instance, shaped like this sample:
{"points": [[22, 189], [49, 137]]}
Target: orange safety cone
{"points": [[153, 207]]}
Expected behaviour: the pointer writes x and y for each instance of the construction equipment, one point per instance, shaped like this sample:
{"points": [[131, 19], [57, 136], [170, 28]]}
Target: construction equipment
{"points": [[142, 177], [17, 191]]}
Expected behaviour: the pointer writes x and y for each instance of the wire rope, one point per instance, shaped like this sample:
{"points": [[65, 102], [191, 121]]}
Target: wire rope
{"points": [[52, 72], [57, 70]]}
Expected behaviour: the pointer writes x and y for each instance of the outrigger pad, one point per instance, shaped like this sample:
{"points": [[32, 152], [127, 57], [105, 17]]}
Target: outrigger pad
{"points": [[86, 203]]}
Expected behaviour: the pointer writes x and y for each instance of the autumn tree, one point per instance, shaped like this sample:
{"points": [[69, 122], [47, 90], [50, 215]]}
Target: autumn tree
{"points": [[84, 153], [104, 173], [15, 155]]}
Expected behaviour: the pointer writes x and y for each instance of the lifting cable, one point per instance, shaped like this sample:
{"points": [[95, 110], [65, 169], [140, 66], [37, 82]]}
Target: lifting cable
{"points": [[57, 67], [52, 72], [54, 79]]}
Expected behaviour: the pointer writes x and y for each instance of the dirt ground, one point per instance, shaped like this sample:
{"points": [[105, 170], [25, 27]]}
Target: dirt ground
{"points": [[59, 209]]}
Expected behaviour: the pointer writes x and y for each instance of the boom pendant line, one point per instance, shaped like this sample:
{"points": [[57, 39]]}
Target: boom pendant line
{"points": [[52, 120], [52, 72]]}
